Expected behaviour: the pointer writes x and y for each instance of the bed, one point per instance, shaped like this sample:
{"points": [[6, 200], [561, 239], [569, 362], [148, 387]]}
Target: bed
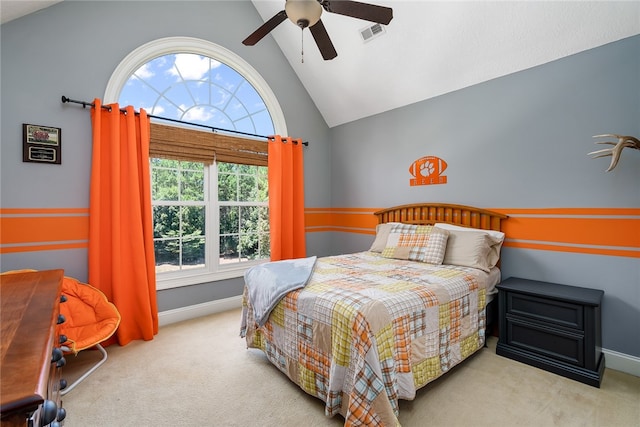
{"points": [[361, 331]]}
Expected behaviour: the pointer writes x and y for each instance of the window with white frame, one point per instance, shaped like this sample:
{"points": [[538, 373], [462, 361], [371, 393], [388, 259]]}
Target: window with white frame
{"points": [[210, 220]]}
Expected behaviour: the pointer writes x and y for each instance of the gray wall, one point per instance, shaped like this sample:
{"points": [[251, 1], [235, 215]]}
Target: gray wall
{"points": [[525, 136], [71, 49], [520, 141]]}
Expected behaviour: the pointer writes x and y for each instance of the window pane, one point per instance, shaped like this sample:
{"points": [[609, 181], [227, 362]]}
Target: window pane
{"points": [[246, 122], [164, 163], [229, 220], [228, 75], [263, 212], [247, 169], [192, 166], [265, 249], [167, 255], [193, 252], [207, 116], [227, 167], [235, 110], [263, 123], [248, 188], [229, 249], [166, 221], [193, 221], [249, 246], [249, 216], [250, 98], [164, 184], [178, 94], [263, 185], [248, 231], [164, 108], [252, 226], [227, 187], [192, 185]]}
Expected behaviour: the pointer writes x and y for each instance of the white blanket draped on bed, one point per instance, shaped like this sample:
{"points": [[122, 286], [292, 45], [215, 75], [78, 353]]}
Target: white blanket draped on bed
{"points": [[268, 283]]}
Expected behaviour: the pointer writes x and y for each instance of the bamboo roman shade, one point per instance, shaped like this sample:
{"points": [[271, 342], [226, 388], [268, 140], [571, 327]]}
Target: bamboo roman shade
{"points": [[178, 143]]}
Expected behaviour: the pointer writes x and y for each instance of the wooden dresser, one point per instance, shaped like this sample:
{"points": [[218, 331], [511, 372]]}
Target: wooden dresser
{"points": [[29, 349]]}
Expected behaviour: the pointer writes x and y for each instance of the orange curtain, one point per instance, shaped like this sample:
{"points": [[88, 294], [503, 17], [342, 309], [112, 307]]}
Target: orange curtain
{"points": [[121, 255], [286, 198]]}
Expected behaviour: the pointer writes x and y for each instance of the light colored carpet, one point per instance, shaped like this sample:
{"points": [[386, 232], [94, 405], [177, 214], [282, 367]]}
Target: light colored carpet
{"points": [[200, 373]]}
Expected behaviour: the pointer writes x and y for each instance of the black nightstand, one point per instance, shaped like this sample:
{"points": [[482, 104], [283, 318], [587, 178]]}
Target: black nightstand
{"points": [[553, 327]]}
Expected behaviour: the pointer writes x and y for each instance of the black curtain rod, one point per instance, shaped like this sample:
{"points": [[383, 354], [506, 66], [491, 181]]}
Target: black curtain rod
{"points": [[86, 104]]}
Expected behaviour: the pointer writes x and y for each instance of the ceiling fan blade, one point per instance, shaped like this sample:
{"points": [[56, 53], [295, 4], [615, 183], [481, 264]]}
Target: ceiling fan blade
{"points": [[323, 41], [265, 28], [354, 9]]}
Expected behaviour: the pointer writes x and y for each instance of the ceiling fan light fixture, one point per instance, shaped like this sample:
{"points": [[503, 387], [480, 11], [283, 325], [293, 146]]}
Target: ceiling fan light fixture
{"points": [[303, 13], [306, 13]]}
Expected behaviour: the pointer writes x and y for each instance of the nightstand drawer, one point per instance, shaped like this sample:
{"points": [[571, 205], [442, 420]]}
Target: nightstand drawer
{"points": [[547, 341], [547, 310]]}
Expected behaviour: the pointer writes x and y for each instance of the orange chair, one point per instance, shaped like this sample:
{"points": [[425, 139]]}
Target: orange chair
{"points": [[90, 320]]}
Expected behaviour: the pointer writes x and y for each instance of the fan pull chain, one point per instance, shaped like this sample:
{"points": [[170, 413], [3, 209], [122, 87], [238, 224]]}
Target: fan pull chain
{"points": [[302, 45]]}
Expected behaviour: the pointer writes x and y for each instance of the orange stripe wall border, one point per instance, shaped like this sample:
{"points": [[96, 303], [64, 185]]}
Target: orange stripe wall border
{"points": [[597, 231], [350, 220], [43, 229]]}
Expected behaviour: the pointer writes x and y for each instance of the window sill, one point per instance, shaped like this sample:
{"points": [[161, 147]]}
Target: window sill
{"points": [[199, 278]]}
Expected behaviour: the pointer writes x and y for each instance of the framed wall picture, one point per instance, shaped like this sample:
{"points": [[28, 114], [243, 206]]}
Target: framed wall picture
{"points": [[41, 144]]}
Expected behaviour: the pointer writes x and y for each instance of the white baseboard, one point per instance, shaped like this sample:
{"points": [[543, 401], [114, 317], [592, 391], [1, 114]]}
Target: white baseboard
{"points": [[621, 362], [197, 310], [613, 360]]}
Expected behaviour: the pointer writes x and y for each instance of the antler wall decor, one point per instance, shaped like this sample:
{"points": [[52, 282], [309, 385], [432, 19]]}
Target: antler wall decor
{"points": [[614, 152]]}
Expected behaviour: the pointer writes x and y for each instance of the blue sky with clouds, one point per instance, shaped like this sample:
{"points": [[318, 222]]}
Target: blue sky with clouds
{"points": [[197, 89]]}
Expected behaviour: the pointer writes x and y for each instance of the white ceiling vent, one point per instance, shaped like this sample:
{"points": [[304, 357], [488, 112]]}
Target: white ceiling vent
{"points": [[372, 32]]}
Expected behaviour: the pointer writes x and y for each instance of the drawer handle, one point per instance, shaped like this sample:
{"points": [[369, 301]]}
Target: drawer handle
{"points": [[56, 355], [62, 414], [49, 411], [60, 363]]}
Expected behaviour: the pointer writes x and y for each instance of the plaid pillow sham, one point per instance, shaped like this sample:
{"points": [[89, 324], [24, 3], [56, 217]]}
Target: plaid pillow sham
{"points": [[423, 243]]}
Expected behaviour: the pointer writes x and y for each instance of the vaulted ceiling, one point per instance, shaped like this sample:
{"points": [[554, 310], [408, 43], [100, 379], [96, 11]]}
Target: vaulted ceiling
{"points": [[434, 47], [430, 47]]}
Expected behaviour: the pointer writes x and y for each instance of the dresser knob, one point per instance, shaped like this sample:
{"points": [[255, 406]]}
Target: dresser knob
{"points": [[61, 319], [63, 298], [63, 339], [49, 411], [56, 355], [60, 363], [62, 414]]}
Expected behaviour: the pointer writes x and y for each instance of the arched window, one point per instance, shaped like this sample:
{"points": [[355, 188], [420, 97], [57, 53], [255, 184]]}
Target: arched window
{"points": [[210, 221]]}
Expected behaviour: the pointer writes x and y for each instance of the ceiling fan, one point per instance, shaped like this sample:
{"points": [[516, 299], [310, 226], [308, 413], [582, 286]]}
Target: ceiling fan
{"points": [[306, 13]]}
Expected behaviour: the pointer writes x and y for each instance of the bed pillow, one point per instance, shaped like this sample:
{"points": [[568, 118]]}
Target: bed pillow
{"points": [[472, 247], [423, 243], [382, 233]]}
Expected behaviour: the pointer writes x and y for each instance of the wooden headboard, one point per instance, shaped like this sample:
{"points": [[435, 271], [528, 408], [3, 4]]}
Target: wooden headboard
{"points": [[430, 213]]}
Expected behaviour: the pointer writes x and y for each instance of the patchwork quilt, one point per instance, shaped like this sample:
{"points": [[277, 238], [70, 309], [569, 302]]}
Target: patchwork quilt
{"points": [[367, 331]]}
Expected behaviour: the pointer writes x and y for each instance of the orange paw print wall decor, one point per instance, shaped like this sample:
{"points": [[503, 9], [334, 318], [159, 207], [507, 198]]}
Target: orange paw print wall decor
{"points": [[427, 171]]}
